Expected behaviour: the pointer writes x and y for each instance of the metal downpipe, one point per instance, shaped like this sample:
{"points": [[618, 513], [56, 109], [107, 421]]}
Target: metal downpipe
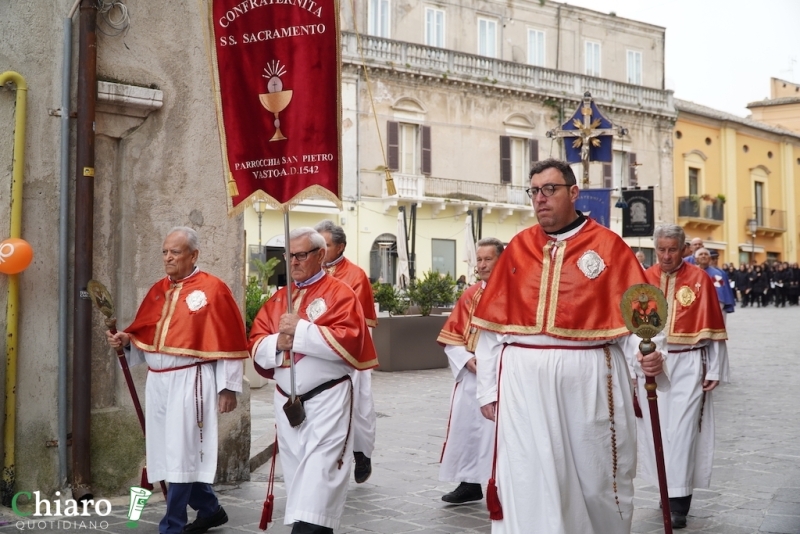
{"points": [[84, 250], [63, 252], [12, 318]]}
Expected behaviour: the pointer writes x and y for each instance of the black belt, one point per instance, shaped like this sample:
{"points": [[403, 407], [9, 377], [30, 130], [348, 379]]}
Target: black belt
{"points": [[317, 390]]}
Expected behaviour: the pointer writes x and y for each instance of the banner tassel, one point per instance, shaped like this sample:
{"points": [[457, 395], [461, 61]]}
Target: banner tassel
{"points": [[391, 190], [269, 503], [493, 502], [637, 410], [233, 191]]}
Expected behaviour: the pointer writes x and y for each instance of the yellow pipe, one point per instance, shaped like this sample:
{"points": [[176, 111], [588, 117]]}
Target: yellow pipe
{"points": [[18, 165]]}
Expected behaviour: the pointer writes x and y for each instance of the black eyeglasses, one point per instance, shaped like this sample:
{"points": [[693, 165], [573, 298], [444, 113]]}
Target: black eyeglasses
{"points": [[300, 256], [547, 190]]}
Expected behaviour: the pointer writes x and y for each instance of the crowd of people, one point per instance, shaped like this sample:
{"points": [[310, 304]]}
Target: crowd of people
{"points": [[769, 283]]}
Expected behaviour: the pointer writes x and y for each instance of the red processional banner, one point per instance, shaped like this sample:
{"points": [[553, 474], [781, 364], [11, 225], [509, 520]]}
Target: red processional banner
{"points": [[278, 92]]}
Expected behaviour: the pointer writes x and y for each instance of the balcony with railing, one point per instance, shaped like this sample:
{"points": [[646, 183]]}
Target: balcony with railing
{"points": [[701, 212], [435, 62], [443, 192], [769, 222]]}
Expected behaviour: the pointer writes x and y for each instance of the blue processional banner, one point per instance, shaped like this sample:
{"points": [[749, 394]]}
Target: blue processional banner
{"points": [[600, 147], [595, 203]]}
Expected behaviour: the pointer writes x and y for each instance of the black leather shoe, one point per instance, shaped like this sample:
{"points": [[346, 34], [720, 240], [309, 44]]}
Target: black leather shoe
{"points": [[678, 521], [465, 492], [363, 467], [202, 524]]}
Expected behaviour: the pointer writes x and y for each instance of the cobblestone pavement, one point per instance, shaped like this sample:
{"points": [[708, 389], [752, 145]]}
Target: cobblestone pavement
{"points": [[755, 484]]}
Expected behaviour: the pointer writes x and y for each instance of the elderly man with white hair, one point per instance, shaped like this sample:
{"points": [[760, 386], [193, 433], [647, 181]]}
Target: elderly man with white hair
{"points": [[328, 337], [697, 359], [193, 348]]}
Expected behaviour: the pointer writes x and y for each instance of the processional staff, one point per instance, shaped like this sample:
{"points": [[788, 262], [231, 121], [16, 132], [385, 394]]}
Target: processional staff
{"points": [[644, 310], [591, 135]]}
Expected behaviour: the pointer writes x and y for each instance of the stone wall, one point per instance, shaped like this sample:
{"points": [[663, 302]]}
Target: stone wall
{"points": [[156, 167]]}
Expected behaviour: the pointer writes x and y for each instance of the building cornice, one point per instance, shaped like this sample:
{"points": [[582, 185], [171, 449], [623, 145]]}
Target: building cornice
{"points": [[446, 67]]}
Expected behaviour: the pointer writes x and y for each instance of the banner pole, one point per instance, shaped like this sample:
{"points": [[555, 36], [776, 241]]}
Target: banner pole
{"points": [[288, 260]]}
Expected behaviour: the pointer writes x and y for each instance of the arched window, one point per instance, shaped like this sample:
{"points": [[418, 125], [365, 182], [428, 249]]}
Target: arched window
{"points": [[383, 259]]}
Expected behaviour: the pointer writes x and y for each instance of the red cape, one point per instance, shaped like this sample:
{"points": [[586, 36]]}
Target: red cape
{"points": [[172, 319], [694, 312], [458, 329], [342, 324], [535, 290], [355, 277]]}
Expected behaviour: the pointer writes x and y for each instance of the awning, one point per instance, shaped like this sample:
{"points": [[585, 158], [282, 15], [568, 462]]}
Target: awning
{"points": [[748, 247]]}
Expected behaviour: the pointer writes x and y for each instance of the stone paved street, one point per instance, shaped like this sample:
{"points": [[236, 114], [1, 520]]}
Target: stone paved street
{"points": [[755, 485]]}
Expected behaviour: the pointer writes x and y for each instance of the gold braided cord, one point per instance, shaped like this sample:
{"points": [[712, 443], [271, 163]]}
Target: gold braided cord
{"points": [[390, 188]]}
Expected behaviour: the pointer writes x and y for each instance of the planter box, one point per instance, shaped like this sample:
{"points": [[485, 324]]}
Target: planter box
{"points": [[408, 343]]}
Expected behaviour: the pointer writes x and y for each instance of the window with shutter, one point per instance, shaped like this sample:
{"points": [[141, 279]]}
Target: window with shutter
{"points": [[393, 145], [427, 164], [633, 178], [505, 159], [533, 150], [608, 176]]}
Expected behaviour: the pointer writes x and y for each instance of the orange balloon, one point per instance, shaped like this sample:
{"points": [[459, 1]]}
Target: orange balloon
{"points": [[15, 255]]}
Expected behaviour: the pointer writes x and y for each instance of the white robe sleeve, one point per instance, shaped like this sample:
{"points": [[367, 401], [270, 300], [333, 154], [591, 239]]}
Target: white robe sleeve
{"points": [[267, 354], [133, 355], [229, 375], [458, 356], [487, 353], [717, 354], [309, 341], [630, 347]]}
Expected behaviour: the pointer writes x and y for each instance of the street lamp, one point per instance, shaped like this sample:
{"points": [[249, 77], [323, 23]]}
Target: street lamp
{"points": [[752, 227], [259, 205]]}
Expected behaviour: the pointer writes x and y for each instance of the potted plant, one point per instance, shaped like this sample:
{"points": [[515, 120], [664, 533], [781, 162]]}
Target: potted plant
{"points": [[389, 299], [693, 206], [719, 203], [434, 290], [408, 342], [257, 289]]}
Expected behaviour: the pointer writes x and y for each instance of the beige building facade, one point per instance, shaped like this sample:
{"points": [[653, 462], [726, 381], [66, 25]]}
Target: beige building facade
{"points": [[460, 100], [730, 171]]}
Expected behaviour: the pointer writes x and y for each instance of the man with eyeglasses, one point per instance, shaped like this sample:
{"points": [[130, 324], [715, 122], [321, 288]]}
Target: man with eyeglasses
{"points": [[329, 339], [552, 370], [364, 418]]}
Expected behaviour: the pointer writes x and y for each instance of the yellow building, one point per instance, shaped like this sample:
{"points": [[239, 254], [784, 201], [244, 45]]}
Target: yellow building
{"points": [[735, 184], [782, 108]]}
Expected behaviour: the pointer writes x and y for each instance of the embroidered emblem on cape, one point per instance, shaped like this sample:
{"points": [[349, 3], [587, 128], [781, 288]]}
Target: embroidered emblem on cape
{"points": [[316, 308], [591, 264], [196, 300], [685, 296]]}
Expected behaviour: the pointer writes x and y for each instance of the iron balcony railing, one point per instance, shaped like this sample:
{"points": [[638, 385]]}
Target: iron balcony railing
{"points": [[699, 208], [766, 218]]}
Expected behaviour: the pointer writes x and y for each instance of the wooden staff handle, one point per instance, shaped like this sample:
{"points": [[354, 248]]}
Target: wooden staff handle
{"points": [[647, 347]]}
